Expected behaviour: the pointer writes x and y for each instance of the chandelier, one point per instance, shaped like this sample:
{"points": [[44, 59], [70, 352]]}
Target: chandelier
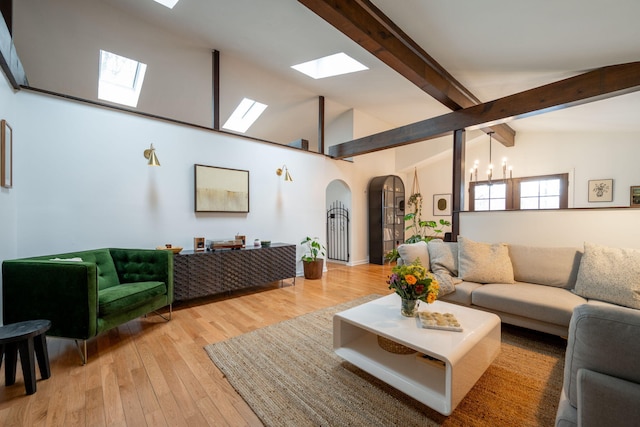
{"points": [[474, 170]]}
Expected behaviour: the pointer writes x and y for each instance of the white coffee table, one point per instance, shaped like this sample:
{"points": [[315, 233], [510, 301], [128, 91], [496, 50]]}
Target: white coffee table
{"points": [[462, 357]]}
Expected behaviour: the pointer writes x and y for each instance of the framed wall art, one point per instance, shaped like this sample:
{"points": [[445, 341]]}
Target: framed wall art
{"points": [[221, 189], [635, 196], [442, 204], [601, 190], [6, 154]]}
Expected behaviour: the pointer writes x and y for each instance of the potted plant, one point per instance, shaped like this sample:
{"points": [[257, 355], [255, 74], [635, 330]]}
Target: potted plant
{"points": [[311, 263], [419, 228]]}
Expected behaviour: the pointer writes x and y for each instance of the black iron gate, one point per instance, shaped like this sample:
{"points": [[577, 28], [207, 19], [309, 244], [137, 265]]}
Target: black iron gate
{"points": [[338, 232]]}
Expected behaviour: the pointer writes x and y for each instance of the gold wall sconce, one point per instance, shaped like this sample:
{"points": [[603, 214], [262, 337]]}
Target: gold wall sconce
{"points": [[287, 175], [150, 154]]}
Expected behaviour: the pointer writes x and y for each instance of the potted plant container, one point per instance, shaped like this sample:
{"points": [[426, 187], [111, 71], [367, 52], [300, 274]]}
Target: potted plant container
{"points": [[311, 263]]}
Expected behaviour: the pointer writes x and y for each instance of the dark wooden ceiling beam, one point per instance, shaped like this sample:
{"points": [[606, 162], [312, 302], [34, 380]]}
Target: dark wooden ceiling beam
{"points": [[595, 85], [364, 23]]}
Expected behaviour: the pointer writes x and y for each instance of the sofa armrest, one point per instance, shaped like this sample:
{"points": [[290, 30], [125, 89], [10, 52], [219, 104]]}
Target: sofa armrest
{"points": [[61, 291], [605, 400], [602, 339], [144, 265]]}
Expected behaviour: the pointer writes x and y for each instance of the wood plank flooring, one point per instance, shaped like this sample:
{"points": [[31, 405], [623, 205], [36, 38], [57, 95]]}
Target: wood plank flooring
{"points": [[149, 372]]}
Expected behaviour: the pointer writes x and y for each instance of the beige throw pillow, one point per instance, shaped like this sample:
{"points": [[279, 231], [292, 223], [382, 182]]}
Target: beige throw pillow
{"points": [[443, 257], [409, 252], [610, 274], [484, 262]]}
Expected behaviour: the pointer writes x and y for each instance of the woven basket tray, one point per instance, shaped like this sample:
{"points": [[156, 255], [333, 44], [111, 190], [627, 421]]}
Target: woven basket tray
{"points": [[393, 347]]}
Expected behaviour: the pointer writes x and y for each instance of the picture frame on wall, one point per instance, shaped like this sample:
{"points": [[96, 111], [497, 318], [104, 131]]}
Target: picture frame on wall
{"points": [[442, 204], [6, 154], [635, 196], [601, 190], [221, 189]]}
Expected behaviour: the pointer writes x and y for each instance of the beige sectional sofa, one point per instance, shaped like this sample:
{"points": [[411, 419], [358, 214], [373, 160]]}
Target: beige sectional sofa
{"points": [[533, 287]]}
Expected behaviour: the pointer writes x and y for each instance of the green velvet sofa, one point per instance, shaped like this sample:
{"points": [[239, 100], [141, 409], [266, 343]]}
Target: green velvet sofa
{"points": [[88, 292]]}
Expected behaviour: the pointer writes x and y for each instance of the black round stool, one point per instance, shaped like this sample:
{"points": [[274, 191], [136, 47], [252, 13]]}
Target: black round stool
{"points": [[27, 337]]}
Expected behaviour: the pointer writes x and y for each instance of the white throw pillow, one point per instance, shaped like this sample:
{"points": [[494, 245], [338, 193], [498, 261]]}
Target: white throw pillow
{"points": [[484, 262], [409, 252], [610, 274]]}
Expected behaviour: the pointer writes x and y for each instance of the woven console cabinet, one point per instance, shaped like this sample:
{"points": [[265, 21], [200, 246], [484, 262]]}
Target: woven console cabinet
{"points": [[200, 274]]}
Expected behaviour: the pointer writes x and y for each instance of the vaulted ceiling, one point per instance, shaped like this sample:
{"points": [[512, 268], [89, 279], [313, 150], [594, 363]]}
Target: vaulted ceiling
{"points": [[493, 48]]}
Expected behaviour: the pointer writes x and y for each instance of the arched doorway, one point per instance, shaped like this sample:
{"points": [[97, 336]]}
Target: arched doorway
{"points": [[338, 208]]}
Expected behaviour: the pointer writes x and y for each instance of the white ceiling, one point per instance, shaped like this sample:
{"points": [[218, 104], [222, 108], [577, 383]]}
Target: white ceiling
{"points": [[493, 47]]}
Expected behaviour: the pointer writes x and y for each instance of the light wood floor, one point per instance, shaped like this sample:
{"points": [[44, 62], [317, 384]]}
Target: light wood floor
{"points": [[149, 372]]}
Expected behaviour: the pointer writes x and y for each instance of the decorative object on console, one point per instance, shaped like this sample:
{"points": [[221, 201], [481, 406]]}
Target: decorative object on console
{"points": [[225, 244], [601, 190], [150, 154], [287, 175], [170, 247], [442, 204], [198, 244], [6, 154], [311, 263], [413, 283], [221, 189], [635, 196]]}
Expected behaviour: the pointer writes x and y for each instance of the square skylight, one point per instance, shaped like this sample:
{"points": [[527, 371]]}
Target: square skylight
{"points": [[167, 3], [245, 114], [120, 79], [332, 65]]}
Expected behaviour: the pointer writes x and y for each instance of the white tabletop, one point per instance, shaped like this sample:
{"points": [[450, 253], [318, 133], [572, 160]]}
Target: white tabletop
{"points": [[382, 317]]}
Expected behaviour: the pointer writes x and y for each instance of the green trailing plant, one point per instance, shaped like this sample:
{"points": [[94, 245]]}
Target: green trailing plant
{"points": [[313, 249], [419, 229]]}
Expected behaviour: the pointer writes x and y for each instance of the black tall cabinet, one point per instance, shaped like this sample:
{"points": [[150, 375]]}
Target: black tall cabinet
{"points": [[386, 216]]}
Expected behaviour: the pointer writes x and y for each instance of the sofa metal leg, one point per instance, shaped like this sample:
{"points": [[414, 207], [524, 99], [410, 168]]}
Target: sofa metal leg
{"points": [[163, 316], [82, 350]]}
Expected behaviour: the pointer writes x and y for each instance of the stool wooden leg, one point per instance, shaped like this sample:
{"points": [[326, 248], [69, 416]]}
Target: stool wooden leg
{"points": [[42, 354], [11, 359], [26, 348]]}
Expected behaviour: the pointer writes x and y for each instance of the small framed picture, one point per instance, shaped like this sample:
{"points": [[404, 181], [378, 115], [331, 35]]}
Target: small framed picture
{"points": [[601, 190], [442, 204], [635, 196], [6, 155]]}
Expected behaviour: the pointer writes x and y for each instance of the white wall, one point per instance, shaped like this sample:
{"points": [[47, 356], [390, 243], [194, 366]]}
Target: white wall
{"points": [[8, 196], [584, 155], [84, 182], [564, 228]]}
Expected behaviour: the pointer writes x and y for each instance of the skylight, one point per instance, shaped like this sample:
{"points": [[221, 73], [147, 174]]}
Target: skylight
{"points": [[332, 65], [167, 3], [120, 79], [244, 115]]}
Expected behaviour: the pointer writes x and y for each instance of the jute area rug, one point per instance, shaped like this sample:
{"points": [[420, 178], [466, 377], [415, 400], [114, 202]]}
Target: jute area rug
{"points": [[290, 376]]}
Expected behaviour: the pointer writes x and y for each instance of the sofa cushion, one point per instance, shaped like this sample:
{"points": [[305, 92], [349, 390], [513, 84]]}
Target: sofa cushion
{"points": [[462, 293], [484, 262], [604, 400], [603, 339], [545, 265], [123, 297], [443, 256], [409, 252], [545, 303], [610, 274]]}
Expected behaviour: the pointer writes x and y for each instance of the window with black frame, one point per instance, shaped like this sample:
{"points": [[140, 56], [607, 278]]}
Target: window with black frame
{"points": [[534, 192]]}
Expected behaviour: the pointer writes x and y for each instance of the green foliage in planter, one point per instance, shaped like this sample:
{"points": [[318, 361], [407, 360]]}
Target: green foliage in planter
{"points": [[313, 248], [420, 230]]}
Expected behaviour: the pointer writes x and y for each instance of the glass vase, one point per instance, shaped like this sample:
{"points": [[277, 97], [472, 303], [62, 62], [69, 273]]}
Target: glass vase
{"points": [[409, 307]]}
